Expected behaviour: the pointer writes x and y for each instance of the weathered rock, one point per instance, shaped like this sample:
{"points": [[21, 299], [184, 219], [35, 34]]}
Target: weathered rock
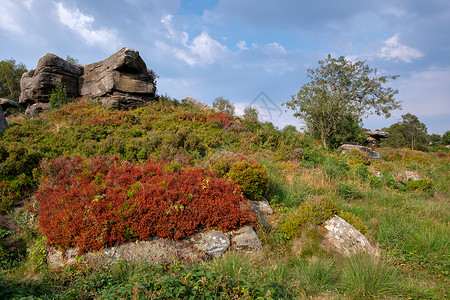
{"points": [[245, 240], [263, 209], [6, 103], [346, 148], [214, 243], [407, 176], [123, 78], [36, 109], [3, 123], [158, 251], [375, 136], [195, 103], [345, 239], [37, 85]]}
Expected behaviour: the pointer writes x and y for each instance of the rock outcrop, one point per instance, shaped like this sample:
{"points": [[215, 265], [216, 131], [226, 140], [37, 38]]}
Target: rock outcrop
{"points": [[4, 105], [375, 136], [37, 85], [346, 148], [345, 239], [122, 81], [196, 249]]}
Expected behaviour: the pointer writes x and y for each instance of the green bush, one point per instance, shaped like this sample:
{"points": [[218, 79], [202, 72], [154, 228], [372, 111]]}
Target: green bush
{"points": [[334, 168], [348, 190], [312, 212], [253, 179], [59, 97], [420, 185], [356, 157]]}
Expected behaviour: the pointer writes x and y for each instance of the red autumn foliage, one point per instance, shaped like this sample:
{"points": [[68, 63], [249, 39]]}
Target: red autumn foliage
{"points": [[103, 201]]}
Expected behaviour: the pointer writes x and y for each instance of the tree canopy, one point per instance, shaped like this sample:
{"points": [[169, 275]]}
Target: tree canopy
{"points": [[10, 75], [409, 133], [341, 92], [224, 105]]}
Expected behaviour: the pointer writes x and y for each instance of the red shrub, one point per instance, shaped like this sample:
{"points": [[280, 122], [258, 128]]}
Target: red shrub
{"points": [[103, 201]]}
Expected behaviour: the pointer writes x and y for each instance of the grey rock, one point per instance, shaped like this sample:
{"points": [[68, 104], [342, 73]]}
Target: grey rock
{"points": [[346, 148], [375, 136], [263, 210], [6, 103], [245, 240], [36, 109], [195, 103], [346, 239], [158, 251], [408, 176], [214, 243], [37, 85], [3, 123], [122, 78]]}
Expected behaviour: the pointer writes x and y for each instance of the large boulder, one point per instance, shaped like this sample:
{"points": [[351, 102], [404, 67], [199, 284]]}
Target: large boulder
{"points": [[122, 79], [375, 136], [37, 85], [345, 239], [4, 105], [346, 148]]}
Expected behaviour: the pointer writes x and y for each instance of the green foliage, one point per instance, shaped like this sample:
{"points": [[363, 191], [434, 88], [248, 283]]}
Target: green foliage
{"points": [[59, 97], [410, 133], [356, 157], [251, 113], [334, 168], [364, 277], [446, 138], [312, 212], [353, 220], [224, 105], [348, 190], [72, 60], [420, 185], [10, 75], [316, 276], [341, 92], [253, 179]]}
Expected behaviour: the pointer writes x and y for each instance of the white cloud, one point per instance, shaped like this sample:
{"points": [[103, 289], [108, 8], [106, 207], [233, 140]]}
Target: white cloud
{"points": [[393, 49], [28, 4], [8, 18], [82, 25], [203, 49], [242, 45]]}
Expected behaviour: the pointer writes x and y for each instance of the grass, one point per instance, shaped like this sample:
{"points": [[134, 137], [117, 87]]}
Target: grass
{"points": [[411, 225]]}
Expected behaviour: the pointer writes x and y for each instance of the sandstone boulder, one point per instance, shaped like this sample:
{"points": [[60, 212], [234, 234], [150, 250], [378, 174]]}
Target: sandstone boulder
{"points": [[4, 105], [214, 243], [35, 109], [245, 240], [37, 85], [195, 103], [122, 78], [346, 148], [342, 237], [263, 210]]}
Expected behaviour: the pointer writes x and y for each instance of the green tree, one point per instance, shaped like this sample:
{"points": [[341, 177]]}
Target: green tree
{"points": [[446, 138], [72, 60], [10, 75], [224, 105], [341, 91], [435, 139], [409, 133], [251, 113]]}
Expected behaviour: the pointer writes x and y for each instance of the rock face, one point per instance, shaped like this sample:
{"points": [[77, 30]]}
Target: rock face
{"points": [[345, 239], [123, 78], [37, 85], [199, 248], [346, 148], [375, 136], [4, 105]]}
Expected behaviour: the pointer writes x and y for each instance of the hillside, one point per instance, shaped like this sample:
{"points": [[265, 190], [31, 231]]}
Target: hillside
{"points": [[409, 220]]}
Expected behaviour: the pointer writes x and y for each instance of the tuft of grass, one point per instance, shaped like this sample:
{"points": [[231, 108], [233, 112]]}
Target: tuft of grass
{"points": [[314, 277]]}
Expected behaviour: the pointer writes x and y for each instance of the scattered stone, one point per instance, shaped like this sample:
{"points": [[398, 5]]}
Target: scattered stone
{"points": [[214, 243], [375, 136], [263, 209], [407, 176], [36, 109], [245, 240], [37, 85], [346, 148], [195, 103], [345, 239], [122, 78]]}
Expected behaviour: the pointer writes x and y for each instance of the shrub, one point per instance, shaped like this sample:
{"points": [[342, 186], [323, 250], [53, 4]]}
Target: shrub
{"points": [[420, 185], [334, 168], [312, 212], [253, 179], [102, 201], [356, 157], [59, 97], [348, 190]]}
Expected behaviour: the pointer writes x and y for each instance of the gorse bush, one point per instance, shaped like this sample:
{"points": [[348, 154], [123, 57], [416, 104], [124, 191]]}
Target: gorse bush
{"points": [[98, 202]]}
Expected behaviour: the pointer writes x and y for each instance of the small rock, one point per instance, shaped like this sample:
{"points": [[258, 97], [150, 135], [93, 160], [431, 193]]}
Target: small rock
{"points": [[246, 240], [345, 239], [214, 243], [263, 209], [195, 103], [407, 176], [36, 109]]}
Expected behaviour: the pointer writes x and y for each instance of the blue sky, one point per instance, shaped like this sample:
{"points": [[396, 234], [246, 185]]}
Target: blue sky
{"points": [[251, 52]]}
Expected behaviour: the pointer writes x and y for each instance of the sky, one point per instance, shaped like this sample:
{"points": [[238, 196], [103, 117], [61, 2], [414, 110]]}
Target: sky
{"points": [[252, 52]]}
